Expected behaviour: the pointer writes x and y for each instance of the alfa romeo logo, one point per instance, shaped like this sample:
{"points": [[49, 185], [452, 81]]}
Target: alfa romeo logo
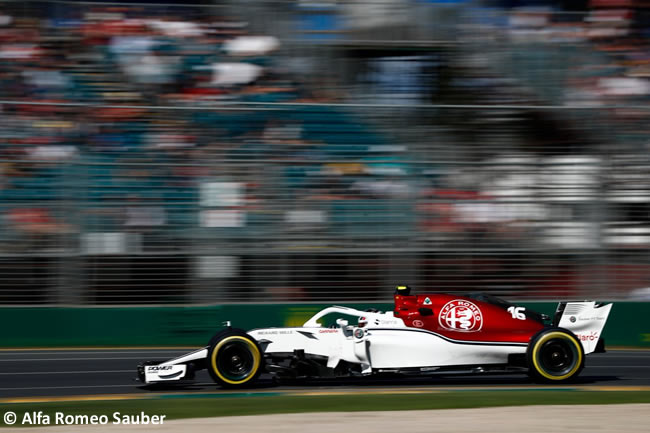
{"points": [[460, 315]]}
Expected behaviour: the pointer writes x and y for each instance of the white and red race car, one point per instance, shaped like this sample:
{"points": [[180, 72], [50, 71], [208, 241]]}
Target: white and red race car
{"points": [[425, 334]]}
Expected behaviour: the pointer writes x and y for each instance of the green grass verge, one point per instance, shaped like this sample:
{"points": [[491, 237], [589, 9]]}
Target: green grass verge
{"points": [[174, 407]]}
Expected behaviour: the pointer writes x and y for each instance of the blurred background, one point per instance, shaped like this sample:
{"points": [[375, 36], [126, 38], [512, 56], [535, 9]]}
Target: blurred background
{"points": [[278, 150]]}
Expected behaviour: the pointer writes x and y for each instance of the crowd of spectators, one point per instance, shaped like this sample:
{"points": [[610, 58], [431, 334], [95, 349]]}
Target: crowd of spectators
{"points": [[111, 108], [124, 129], [81, 87], [570, 173]]}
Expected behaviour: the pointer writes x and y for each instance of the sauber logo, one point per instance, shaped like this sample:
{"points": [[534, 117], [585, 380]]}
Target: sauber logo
{"points": [[459, 315]]}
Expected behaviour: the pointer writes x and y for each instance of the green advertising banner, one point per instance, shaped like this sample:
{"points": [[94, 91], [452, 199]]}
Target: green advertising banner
{"points": [[627, 326]]}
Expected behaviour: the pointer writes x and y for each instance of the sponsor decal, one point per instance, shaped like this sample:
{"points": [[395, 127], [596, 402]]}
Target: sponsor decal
{"points": [[275, 332], [427, 301], [328, 331], [592, 336], [159, 368], [461, 315], [165, 372], [358, 333], [418, 323]]}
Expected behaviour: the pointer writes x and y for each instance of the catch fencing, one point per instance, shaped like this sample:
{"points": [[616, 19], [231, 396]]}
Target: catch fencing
{"points": [[477, 150]]}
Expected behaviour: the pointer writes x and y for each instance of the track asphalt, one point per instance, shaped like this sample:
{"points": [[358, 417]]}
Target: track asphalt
{"points": [[109, 373]]}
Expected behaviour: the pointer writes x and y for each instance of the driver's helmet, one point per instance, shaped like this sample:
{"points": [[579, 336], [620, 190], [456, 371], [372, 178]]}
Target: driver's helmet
{"points": [[403, 290], [363, 321]]}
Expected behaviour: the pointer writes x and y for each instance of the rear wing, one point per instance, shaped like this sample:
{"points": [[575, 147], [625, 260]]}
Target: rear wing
{"points": [[585, 319]]}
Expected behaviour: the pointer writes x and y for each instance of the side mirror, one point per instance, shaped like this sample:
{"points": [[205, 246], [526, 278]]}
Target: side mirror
{"points": [[425, 312], [342, 323]]}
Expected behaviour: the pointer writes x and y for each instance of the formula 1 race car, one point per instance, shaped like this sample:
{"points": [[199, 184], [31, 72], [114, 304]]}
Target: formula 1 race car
{"points": [[426, 334]]}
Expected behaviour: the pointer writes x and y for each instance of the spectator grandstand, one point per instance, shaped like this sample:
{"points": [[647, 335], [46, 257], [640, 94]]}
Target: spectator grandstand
{"points": [[183, 154]]}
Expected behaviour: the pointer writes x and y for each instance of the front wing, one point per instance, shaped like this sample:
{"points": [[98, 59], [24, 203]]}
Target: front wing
{"points": [[176, 369]]}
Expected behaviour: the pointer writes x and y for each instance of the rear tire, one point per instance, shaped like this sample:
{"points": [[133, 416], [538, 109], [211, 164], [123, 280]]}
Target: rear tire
{"points": [[234, 359], [555, 355]]}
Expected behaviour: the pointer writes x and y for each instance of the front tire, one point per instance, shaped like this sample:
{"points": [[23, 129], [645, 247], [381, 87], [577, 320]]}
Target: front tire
{"points": [[234, 359], [555, 355]]}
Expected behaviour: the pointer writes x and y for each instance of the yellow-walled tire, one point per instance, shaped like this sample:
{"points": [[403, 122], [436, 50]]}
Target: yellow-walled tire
{"points": [[555, 355], [234, 359]]}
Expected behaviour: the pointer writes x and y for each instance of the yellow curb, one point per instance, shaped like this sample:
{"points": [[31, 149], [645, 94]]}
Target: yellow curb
{"points": [[617, 388], [102, 397]]}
